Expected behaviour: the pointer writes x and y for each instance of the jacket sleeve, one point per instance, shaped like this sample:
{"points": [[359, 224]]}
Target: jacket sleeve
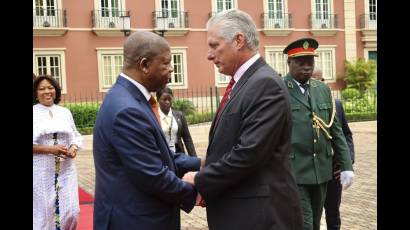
{"points": [[134, 139], [345, 128], [186, 136], [339, 144]]}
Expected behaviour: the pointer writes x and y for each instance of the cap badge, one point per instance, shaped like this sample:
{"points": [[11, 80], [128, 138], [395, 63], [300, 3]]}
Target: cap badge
{"points": [[306, 45]]}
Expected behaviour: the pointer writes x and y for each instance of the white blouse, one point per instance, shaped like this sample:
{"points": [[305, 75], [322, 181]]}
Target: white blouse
{"points": [[48, 120], [170, 132]]}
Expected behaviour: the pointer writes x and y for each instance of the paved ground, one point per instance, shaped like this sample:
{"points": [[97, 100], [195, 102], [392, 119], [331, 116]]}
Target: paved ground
{"points": [[359, 202]]}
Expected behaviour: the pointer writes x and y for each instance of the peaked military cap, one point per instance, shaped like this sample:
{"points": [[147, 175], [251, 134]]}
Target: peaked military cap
{"points": [[301, 47]]}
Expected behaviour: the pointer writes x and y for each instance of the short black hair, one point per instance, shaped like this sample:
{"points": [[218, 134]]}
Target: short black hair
{"points": [[164, 90], [52, 81]]}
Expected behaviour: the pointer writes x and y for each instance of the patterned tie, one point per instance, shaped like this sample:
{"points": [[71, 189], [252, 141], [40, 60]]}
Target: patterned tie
{"points": [[154, 107], [306, 93], [225, 98]]}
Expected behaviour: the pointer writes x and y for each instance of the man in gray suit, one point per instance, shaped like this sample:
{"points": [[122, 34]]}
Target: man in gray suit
{"points": [[247, 182]]}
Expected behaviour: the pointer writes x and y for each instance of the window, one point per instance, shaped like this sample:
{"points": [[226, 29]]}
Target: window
{"points": [[170, 14], [45, 13], [50, 62], [221, 5], [277, 59], [372, 13], [109, 12], [275, 14], [110, 62], [178, 78], [322, 14], [327, 63], [221, 79]]}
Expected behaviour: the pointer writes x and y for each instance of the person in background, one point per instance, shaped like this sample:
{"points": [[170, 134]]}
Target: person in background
{"points": [[55, 144], [316, 130], [334, 188], [174, 124], [136, 182]]}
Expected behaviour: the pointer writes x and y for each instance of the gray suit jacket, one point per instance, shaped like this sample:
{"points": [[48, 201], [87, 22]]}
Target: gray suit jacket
{"points": [[248, 182]]}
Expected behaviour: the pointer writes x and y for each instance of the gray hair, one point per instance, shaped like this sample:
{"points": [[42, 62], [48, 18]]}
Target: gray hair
{"points": [[232, 22], [143, 44]]}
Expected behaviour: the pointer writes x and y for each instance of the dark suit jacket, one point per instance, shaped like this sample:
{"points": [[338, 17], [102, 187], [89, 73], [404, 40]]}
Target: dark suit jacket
{"points": [[183, 134], [345, 127], [248, 182], [136, 186]]}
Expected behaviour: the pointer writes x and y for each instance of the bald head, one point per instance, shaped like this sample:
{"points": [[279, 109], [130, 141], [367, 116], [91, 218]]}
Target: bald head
{"points": [[143, 44], [317, 74]]}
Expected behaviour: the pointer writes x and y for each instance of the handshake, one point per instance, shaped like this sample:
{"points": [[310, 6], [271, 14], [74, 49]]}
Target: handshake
{"points": [[189, 178]]}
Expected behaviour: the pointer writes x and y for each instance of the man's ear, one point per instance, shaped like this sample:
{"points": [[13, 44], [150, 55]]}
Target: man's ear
{"points": [[240, 40], [143, 65]]}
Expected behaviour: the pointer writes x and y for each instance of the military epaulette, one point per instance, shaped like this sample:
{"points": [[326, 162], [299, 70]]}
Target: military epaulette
{"points": [[313, 83]]}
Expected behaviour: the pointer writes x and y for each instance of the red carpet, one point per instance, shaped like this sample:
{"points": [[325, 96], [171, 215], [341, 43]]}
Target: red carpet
{"points": [[85, 221]]}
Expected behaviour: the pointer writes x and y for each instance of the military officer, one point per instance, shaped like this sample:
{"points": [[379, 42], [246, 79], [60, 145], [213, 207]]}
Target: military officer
{"points": [[315, 131]]}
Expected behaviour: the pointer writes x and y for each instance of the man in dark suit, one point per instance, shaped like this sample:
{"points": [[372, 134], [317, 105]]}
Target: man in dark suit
{"points": [[247, 182], [315, 132], [334, 188], [136, 184]]}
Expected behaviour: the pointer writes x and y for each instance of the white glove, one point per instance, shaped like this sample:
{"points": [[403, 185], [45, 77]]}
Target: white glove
{"points": [[346, 179]]}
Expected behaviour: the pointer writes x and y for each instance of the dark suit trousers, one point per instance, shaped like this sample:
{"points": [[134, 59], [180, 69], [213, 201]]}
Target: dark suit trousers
{"points": [[332, 204], [312, 197]]}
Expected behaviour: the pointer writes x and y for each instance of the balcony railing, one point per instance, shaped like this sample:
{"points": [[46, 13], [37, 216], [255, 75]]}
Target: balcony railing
{"points": [[49, 17], [169, 19], [276, 20], [323, 21], [109, 18], [368, 21]]}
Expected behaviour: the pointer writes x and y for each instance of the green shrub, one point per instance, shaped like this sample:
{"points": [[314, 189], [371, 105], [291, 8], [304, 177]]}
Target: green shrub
{"points": [[84, 115], [361, 117], [187, 107], [350, 93], [198, 118]]}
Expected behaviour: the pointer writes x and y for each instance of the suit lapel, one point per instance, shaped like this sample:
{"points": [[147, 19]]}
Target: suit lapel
{"points": [[245, 77], [295, 92]]}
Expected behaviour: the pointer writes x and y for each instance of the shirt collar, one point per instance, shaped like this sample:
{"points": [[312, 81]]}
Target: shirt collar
{"points": [[143, 90], [245, 66], [162, 115]]}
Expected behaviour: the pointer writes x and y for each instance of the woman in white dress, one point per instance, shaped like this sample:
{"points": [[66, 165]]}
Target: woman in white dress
{"points": [[55, 144]]}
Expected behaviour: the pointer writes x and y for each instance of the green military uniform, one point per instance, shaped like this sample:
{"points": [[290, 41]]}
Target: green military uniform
{"points": [[312, 154]]}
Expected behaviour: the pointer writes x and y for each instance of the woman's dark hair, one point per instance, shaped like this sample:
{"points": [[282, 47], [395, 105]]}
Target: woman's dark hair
{"points": [[52, 81], [164, 90]]}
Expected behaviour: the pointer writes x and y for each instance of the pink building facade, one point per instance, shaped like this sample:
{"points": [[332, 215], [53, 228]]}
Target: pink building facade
{"points": [[81, 44]]}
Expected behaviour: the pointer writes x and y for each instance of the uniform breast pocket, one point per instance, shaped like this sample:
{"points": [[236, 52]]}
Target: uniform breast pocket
{"points": [[325, 110], [295, 107]]}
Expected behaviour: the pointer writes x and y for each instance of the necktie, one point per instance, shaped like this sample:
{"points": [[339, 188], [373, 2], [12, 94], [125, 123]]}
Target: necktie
{"points": [[154, 107], [225, 97], [306, 93]]}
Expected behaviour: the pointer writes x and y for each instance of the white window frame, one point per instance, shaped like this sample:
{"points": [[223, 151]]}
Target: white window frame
{"points": [[184, 83], [214, 5], [279, 49], [332, 50], [218, 76], [318, 21], [100, 53], [166, 21], [276, 20], [371, 23], [366, 52], [52, 51], [105, 21], [54, 20]]}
